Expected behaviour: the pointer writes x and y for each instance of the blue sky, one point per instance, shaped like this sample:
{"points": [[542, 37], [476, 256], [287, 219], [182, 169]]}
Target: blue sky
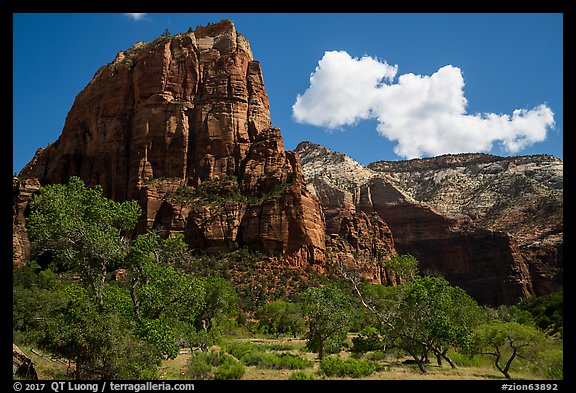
{"points": [[389, 86]]}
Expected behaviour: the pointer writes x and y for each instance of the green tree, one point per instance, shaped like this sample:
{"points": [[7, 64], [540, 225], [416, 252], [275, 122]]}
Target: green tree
{"points": [[436, 316], [100, 343], [547, 312], [422, 316], [219, 303], [82, 230], [292, 320], [506, 341], [327, 311], [280, 317], [405, 267], [162, 296]]}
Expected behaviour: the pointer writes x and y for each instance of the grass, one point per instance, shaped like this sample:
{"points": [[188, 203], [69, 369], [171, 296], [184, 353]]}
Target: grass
{"points": [[386, 366], [264, 349]]}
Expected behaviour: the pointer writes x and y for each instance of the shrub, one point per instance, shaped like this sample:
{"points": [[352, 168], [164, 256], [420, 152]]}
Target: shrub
{"points": [[368, 340], [230, 369], [198, 366], [239, 350], [346, 368], [301, 375], [273, 361], [550, 364], [202, 363], [377, 356]]}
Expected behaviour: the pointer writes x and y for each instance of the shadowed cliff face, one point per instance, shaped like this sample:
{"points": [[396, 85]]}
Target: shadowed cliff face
{"points": [[490, 264], [182, 124]]}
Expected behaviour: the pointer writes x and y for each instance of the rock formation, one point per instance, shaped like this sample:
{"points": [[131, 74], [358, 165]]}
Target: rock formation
{"points": [[22, 191], [182, 124], [520, 195], [493, 265]]}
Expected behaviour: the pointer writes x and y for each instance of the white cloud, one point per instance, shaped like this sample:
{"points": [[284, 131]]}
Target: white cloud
{"points": [[425, 115], [136, 16], [341, 90]]}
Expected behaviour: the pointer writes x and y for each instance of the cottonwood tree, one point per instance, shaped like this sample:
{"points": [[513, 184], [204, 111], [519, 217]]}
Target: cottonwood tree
{"points": [[95, 322], [506, 341], [327, 311], [424, 315], [280, 317], [81, 230]]}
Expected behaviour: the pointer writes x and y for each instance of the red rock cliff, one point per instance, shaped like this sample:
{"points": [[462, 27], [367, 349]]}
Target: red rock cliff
{"points": [[183, 125]]}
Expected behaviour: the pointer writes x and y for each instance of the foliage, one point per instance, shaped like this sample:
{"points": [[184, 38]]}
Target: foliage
{"points": [[169, 304], [239, 350], [198, 365], [81, 229], [505, 341], [547, 312], [201, 365], [100, 343], [280, 317], [405, 266], [103, 326], [220, 301], [511, 313], [425, 315], [328, 316], [301, 376], [550, 363], [275, 361], [438, 314], [230, 369], [368, 340], [354, 368]]}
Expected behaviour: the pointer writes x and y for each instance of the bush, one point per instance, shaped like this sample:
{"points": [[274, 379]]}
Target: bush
{"points": [[273, 361], [301, 375], [378, 356], [198, 366], [346, 368], [550, 364], [368, 340], [239, 350], [230, 369], [201, 364]]}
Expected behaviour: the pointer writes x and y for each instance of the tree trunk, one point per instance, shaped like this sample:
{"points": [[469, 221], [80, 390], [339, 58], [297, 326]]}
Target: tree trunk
{"points": [[439, 360], [508, 364], [321, 352], [449, 360], [444, 354], [77, 369], [418, 361]]}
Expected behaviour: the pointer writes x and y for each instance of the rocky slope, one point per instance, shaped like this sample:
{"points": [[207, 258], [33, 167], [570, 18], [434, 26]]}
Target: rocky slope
{"points": [[521, 195], [182, 124], [493, 265]]}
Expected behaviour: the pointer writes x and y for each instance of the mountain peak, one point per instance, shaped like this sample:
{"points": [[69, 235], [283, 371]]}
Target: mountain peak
{"points": [[182, 124]]}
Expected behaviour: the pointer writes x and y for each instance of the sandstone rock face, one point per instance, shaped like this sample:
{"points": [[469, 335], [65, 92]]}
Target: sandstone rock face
{"points": [[22, 192], [489, 263], [364, 244], [522, 196], [182, 124]]}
